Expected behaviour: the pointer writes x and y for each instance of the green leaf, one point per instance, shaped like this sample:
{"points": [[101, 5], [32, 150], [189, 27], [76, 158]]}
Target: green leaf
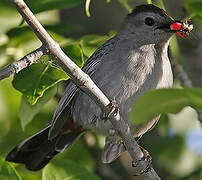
{"points": [[90, 43], [7, 171], [9, 17], [23, 36], [170, 153], [42, 76], [194, 7], [75, 53], [43, 5], [34, 80], [164, 101], [19, 35], [174, 47], [66, 170], [27, 111], [163, 125], [85, 158]]}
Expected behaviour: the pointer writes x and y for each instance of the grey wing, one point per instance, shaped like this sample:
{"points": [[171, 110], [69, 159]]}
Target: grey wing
{"points": [[64, 104], [61, 112]]}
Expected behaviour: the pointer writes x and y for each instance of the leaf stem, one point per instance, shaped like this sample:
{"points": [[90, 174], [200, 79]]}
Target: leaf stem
{"points": [[149, 1], [87, 7], [126, 5]]}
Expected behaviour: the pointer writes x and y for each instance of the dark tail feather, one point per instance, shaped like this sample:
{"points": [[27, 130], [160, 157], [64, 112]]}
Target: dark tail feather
{"points": [[64, 141], [36, 151]]}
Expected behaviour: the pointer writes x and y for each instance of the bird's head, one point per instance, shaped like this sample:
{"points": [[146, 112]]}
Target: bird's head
{"points": [[150, 24]]}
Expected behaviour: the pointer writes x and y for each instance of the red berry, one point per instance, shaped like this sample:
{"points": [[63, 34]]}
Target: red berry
{"points": [[182, 34], [176, 26]]}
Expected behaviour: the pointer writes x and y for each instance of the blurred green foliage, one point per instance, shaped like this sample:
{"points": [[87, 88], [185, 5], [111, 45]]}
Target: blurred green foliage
{"points": [[45, 5], [73, 172], [8, 171], [31, 105], [42, 76], [165, 101]]}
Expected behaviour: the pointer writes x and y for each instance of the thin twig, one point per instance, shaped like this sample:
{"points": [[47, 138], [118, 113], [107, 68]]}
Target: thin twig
{"points": [[184, 79], [87, 85], [26, 61], [180, 74]]}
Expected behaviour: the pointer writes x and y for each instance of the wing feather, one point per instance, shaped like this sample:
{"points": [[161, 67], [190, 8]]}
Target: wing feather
{"points": [[64, 104]]}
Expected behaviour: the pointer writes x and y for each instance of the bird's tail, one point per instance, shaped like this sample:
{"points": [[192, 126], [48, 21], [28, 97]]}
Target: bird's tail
{"points": [[36, 151]]}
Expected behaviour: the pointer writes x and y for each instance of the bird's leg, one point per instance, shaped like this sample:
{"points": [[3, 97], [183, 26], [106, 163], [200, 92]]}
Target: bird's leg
{"points": [[147, 158], [114, 109], [112, 132]]}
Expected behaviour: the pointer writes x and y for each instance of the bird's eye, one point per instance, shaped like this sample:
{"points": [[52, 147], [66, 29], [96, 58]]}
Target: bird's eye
{"points": [[149, 21]]}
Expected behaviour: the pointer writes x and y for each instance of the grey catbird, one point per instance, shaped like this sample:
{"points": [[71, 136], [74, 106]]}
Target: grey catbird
{"points": [[130, 63]]}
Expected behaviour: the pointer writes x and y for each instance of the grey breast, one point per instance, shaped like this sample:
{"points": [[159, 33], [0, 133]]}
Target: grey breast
{"points": [[123, 74]]}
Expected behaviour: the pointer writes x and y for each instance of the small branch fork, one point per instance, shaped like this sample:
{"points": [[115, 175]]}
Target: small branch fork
{"points": [[26, 61], [83, 81]]}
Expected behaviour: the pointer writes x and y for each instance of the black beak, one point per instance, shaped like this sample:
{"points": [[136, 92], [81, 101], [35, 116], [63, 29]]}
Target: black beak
{"points": [[181, 29], [166, 27]]}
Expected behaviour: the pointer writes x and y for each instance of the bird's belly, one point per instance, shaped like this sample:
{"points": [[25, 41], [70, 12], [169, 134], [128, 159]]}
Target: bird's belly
{"points": [[122, 87], [88, 115]]}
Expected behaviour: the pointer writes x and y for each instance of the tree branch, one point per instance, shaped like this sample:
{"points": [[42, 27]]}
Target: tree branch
{"points": [[87, 85], [26, 61], [180, 73], [184, 79]]}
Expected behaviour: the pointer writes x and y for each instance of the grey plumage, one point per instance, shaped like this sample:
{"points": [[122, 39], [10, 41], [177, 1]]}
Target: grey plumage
{"points": [[132, 62], [134, 72]]}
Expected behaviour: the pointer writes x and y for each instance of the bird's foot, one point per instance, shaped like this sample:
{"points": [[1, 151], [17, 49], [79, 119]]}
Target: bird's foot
{"points": [[114, 110], [146, 157]]}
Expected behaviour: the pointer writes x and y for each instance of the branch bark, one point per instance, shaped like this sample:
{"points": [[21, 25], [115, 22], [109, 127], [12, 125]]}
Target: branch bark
{"points": [[87, 85], [180, 73], [26, 61]]}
